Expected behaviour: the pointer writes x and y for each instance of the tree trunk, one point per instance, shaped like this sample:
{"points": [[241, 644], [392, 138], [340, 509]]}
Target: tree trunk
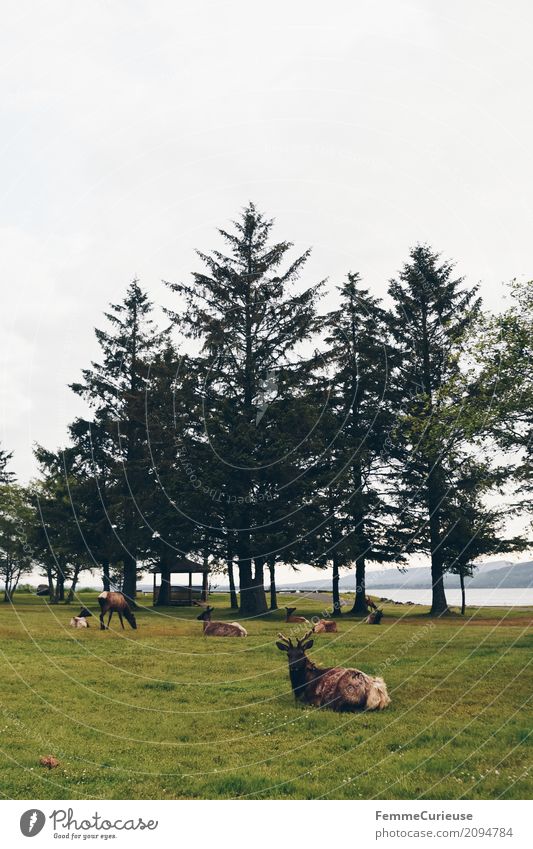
{"points": [[51, 588], [359, 606], [72, 590], [60, 587], [129, 581], [253, 598], [106, 581], [163, 597], [336, 599], [234, 601], [463, 592], [273, 591], [439, 605]]}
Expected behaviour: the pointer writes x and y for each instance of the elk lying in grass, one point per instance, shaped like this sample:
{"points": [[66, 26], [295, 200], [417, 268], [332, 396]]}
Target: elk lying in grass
{"points": [[370, 604], [220, 629], [290, 617], [336, 687], [115, 602], [325, 626], [80, 621]]}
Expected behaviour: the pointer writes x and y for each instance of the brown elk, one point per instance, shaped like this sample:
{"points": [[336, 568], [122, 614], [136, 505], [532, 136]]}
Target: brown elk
{"points": [[289, 616], [336, 687], [115, 602], [220, 629], [325, 626], [375, 617], [369, 603]]}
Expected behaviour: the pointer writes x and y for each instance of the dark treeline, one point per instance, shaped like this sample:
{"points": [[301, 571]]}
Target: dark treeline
{"points": [[371, 433]]}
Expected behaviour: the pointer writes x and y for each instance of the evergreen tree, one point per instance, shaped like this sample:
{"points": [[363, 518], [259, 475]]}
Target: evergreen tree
{"points": [[251, 324], [505, 355], [431, 317], [6, 476], [16, 517], [362, 523], [472, 528], [59, 532], [116, 388]]}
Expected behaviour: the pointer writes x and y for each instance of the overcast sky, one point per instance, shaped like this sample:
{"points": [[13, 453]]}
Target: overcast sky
{"points": [[131, 130]]}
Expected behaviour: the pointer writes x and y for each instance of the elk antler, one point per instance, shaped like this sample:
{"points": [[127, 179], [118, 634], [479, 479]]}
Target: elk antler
{"points": [[305, 637], [285, 639]]}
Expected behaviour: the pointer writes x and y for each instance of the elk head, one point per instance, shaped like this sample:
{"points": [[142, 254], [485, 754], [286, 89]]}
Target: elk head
{"points": [[205, 615], [295, 653]]}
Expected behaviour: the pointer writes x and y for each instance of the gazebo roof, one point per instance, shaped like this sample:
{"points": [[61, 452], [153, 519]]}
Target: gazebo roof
{"points": [[181, 565]]}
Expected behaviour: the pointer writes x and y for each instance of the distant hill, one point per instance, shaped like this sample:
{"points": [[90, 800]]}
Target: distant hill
{"points": [[500, 573]]}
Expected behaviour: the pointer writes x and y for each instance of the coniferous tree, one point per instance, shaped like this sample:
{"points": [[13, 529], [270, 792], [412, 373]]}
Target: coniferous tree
{"points": [[473, 528], [116, 388], [6, 475], [505, 354], [363, 525], [431, 317], [251, 323], [16, 553]]}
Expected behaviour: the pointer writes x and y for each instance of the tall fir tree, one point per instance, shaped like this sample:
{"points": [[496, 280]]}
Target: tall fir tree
{"points": [[432, 315], [360, 358], [251, 323], [116, 387]]}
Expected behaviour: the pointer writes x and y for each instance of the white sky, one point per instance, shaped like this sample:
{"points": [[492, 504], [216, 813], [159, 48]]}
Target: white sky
{"points": [[130, 130]]}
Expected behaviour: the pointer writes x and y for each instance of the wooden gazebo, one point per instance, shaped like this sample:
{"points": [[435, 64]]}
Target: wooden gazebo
{"points": [[184, 593]]}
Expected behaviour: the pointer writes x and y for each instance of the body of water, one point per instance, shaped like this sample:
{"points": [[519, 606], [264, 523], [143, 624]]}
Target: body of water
{"points": [[518, 597]]}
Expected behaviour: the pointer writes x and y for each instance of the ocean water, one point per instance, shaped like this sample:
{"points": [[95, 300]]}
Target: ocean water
{"points": [[519, 597]]}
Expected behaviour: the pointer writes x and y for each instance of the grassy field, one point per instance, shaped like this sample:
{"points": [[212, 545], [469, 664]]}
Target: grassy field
{"points": [[162, 712]]}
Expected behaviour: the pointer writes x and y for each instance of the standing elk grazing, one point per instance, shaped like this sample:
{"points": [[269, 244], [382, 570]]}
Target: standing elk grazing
{"points": [[111, 602], [336, 687], [80, 621], [325, 626], [290, 617], [220, 629]]}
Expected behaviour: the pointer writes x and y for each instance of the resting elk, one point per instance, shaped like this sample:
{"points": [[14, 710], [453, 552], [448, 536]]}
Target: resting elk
{"points": [[290, 617], [325, 626], [80, 621], [220, 629], [115, 602], [336, 687]]}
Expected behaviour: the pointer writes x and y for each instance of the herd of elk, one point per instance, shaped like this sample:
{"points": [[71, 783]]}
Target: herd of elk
{"points": [[113, 602], [336, 687], [220, 629]]}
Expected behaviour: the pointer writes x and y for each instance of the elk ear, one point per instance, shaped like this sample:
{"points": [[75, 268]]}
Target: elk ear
{"points": [[282, 647], [308, 645]]}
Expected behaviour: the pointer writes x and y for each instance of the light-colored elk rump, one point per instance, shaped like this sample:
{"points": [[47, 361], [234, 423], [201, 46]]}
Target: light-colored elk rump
{"points": [[115, 602], [220, 629], [80, 621], [336, 688], [325, 626], [290, 617]]}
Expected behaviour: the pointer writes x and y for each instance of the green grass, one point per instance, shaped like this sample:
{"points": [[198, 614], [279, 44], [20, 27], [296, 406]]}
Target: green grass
{"points": [[162, 712]]}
